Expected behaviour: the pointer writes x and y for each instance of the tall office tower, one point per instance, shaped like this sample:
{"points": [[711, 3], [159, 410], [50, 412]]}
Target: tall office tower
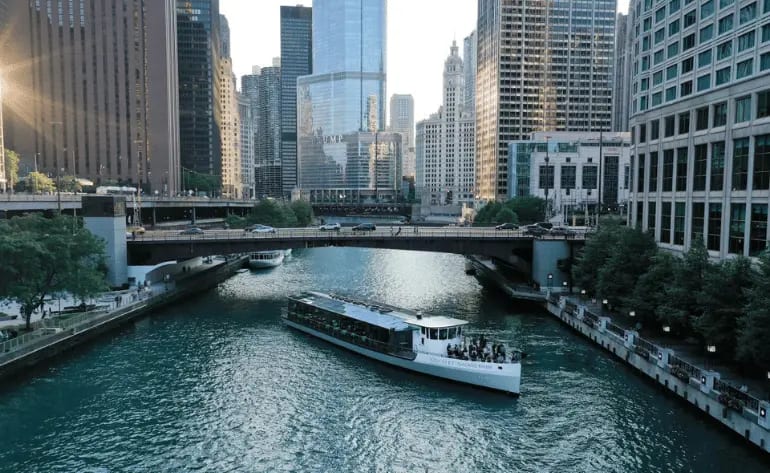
{"points": [[230, 130], [4, 184], [402, 121], [224, 36], [470, 45], [621, 91], [445, 150], [296, 60], [342, 103], [267, 154], [700, 122], [199, 101], [543, 65], [90, 90], [247, 145]]}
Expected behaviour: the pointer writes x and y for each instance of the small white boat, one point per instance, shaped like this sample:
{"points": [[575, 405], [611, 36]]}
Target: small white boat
{"points": [[266, 259], [430, 345]]}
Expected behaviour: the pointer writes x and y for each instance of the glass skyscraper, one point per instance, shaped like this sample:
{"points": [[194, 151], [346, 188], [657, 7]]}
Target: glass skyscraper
{"points": [[341, 105]]}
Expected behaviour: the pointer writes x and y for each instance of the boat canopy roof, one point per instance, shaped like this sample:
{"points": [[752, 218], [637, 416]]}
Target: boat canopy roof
{"points": [[358, 311], [437, 321]]}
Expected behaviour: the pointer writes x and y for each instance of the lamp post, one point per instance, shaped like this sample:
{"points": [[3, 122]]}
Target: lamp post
{"points": [[564, 285], [56, 159], [550, 278], [632, 313], [547, 176]]}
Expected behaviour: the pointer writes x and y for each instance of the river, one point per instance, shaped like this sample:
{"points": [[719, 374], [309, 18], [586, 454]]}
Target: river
{"points": [[218, 384]]}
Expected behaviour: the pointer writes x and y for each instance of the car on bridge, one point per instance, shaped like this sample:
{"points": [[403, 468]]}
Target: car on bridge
{"points": [[365, 227], [262, 229], [562, 231], [192, 231], [507, 226], [330, 227], [535, 230]]}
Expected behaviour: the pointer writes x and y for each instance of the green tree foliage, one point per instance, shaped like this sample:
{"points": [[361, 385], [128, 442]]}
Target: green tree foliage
{"points": [[303, 211], [38, 182], [70, 184], [595, 254], [200, 182], [526, 210], [721, 300], [754, 324], [629, 259], [11, 167], [506, 215], [234, 221], [40, 257], [280, 214], [650, 290], [681, 302], [486, 215]]}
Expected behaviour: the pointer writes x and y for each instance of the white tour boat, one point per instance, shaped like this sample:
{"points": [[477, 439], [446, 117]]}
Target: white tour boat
{"points": [[432, 345], [266, 259]]}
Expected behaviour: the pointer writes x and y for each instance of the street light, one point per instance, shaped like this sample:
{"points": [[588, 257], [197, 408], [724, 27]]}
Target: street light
{"points": [[666, 328], [550, 278], [632, 313], [564, 285], [711, 348]]}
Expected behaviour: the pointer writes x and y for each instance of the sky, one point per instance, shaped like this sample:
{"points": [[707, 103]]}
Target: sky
{"points": [[420, 33]]}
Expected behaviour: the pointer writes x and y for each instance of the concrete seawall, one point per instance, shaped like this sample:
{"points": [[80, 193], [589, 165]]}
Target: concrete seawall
{"points": [[703, 390], [61, 340]]}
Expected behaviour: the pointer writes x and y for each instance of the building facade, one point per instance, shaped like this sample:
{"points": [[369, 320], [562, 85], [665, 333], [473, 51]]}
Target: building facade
{"points": [[621, 92], [296, 61], [341, 105], [541, 66], [565, 168], [700, 119], [402, 121], [93, 90], [267, 155], [230, 131], [446, 144], [247, 146], [5, 186], [198, 44], [470, 46]]}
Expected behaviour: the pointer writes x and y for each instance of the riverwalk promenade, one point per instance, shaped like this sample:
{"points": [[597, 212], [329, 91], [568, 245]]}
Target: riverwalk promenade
{"points": [[60, 331]]}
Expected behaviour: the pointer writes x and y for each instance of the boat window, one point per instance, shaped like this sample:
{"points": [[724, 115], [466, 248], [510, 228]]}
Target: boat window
{"points": [[459, 331], [452, 332], [433, 334], [423, 330], [442, 334]]}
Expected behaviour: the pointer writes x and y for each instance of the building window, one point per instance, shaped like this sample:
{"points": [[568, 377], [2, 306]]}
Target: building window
{"points": [[701, 118], [660, 35], [673, 50], [681, 169], [668, 170], [723, 75], [737, 228], [546, 177], [715, 227], [725, 24], [720, 114], [684, 123], [689, 18], [658, 57], [763, 104], [748, 13], [655, 129], [657, 98], [740, 164], [724, 50], [706, 33], [568, 177], [743, 109], [590, 175], [673, 6], [657, 78], [764, 61], [660, 14], [645, 63], [668, 126], [644, 84], [685, 89], [761, 162], [698, 220], [744, 69], [665, 222], [643, 102], [640, 173], [651, 216], [687, 65], [717, 165], [704, 58], [701, 166], [758, 230], [766, 33], [647, 24], [671, 72], [707, 9], [670, 94], [725, 3], [642, 133], [673, 28], [679, 209], [745, 41], [688, 42], [704, 82], [653, 185], [646, 43]]}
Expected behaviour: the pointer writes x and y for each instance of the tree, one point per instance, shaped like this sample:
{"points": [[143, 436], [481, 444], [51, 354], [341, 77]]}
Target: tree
{"points": [[487, 213], [38, 182], [529, 209], [40, 257], [268, 212], [506, 215], [649, 292], [722, 300], [630, 258], [303, 212], [595, 253], [11, 167], [200, 182], [70, 184], [681, 302], [754, 325]]}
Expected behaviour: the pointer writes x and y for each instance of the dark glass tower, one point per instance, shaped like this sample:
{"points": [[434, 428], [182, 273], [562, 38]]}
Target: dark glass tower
{"points": [[296, 60], [198, 50]]}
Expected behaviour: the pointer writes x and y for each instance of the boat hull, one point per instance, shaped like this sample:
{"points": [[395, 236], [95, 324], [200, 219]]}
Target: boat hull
{"points": [[266, 263], [504, 377]]}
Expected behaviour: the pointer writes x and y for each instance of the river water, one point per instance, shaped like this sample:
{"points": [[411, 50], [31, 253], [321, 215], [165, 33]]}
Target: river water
{"points": [[217, 384]]}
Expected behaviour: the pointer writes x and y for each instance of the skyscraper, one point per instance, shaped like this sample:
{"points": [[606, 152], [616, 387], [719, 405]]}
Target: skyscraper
{"points": [[470, 45], [247, 145], [267, 155], [199, 102], [700, 122], [341, 150], [402, 121], [446, 144], [621, 92], [4, 184], [91, 90], [296, 61], [541, 66]]}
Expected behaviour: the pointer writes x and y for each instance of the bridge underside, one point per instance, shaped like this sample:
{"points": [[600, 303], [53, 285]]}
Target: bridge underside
{"points": [[153, 252]]}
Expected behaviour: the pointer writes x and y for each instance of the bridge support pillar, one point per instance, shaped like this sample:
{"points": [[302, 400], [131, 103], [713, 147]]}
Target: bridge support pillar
{"points": [[545, 257], [154, 217], [105, 217], [192, 213]]}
